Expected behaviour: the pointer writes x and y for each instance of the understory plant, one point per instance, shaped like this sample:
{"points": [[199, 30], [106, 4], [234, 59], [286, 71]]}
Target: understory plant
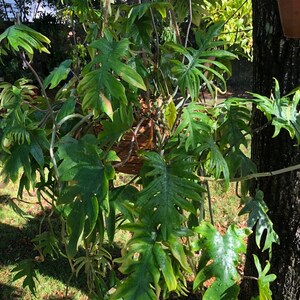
{"points": [[138, 86], [237, 18]]}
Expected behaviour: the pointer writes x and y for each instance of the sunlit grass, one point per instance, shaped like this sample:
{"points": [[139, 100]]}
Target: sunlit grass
{"points": [[47, 288], [15, 245], [225, 206]]}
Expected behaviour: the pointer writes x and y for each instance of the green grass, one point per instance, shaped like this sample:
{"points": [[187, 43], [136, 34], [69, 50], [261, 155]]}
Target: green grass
{"points": [[226, 206], [16, 234]]}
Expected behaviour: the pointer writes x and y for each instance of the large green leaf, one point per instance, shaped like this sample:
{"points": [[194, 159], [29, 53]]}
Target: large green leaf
{"points": [[75, 223], [215, 162], [189, 77], [91, 87], [83, 9], [222, 290], [264, 280], [128, 74], [138, 26], [235, 122], [165, 265], [207, 39], [282, 111], [21, 37], [139, 263], [113, 129], [100, 86], [149, 265], [138, 11], [233, 128], [121, 200], [67, 109], [36, 150], [257, 210], [58, 74], [14, 162], [47, 244], [109, 61], [172, 185], [197, 134], [111, 49], [79, 158], [23, 156], [195, 125], [202, 66], [22, 140], [177, 249], [219, 259], [82, 166], [26, 268]]}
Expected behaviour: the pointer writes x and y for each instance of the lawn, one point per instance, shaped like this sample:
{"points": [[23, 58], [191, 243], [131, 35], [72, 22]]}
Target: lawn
{"points": [[16, 244]]}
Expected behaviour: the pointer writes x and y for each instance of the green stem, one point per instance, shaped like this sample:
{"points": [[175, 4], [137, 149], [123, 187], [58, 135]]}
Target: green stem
{"points": [[59, 124], [190, 23], [254, 175], [84, 119], [156, 59], [209, 203], [52, 156]]}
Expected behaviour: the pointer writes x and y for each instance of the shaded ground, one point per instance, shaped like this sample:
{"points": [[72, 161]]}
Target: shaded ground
{"points": [[16, 244]]}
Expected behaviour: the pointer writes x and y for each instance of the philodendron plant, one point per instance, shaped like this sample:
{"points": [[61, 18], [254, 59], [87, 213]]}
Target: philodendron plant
{"points": [[146, 70]]}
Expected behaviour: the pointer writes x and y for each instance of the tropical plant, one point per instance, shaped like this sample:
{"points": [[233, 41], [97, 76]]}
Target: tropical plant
{"points": [[237, 19], [140, 77]]}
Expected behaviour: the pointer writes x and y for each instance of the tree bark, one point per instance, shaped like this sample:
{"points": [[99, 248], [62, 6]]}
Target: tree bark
{"points": [[276, 56]]}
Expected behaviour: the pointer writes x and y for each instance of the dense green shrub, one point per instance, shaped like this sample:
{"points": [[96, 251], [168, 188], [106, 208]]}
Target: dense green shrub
{"points": [[134, 73]]}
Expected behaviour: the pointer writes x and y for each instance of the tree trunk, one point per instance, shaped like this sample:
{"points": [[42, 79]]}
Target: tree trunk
{"points": [[276, 56]]}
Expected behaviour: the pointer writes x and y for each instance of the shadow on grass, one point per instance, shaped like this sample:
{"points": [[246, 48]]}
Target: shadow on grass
{"points": [[4, 198], [16, 244], [60, 298], [8, 292]]}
